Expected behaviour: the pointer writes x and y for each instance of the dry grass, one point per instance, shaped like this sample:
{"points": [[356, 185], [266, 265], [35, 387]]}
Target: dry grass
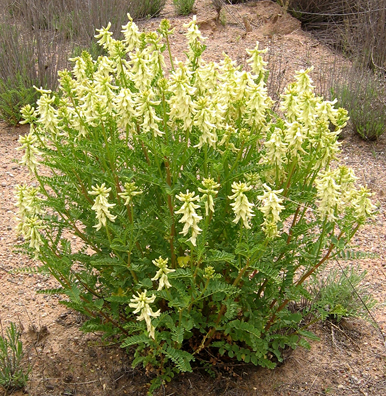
{"points": [[357, 27]]}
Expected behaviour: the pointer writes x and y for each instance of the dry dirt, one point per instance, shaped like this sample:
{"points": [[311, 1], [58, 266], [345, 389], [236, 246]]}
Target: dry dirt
{"points": [[348, 360]]}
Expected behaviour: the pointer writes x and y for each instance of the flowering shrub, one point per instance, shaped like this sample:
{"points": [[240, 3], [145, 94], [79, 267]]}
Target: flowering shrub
{"points": [[198, 212]]}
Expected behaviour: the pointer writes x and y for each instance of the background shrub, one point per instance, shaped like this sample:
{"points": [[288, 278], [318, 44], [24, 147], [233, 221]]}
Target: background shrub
{"points": [[359, 90], [27, 58], [183, 7], [357, 27]]}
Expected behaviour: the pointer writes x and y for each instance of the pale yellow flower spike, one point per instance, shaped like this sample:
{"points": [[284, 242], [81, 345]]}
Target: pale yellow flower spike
{"points": [[241, 207], [101, 206], [28, 143], [104, 36], [141, 303], [129, 192], [131, 34], [256, 61], [162, 273], [271, 209], [328, 193], [209, 191], [190, 217]]}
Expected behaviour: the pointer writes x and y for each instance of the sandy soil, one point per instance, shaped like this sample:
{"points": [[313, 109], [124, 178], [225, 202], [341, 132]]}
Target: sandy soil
{"points": [[348, 360]]}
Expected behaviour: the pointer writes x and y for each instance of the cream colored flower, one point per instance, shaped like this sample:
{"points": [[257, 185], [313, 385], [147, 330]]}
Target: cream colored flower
{"points": [[276, 148], [124, 104], [364, 208], [256, 61], [307, 109], [129, 192], [304, 81], [29, 205], [101, 206], [290, 103], [29, 114], [31, 228], [105, 36], [329, 195], [131, 33], [190, 218], [206, 77], [241, 207], [194, 35], [257, 103], [146, 110], [141, 71], [271, 208], [204, 120], [28, 201], [48, 115], [28, 143], [181, 102], [295, 136], [209, 190], [141, 303], [29, 223], [162, 273]]}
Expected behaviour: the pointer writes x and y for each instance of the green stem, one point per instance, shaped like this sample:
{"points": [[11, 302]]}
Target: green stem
{"points": [[304, 277], [170, 52], [171, 210], [290, 175]]}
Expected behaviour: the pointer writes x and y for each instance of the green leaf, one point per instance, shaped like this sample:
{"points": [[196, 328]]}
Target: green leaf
{"points": [[99, 303], [178, 334], [180, 358], [135, 340], [217, 256]]}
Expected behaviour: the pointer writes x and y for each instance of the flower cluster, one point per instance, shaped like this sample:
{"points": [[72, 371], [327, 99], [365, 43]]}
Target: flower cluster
{"points": [[162, 273], [337, 194], [29, 209], [209, 191], [271, 208], [28, 144], [190, 218], [241, 207], [141, 303], [101, 205], [130, 191]]}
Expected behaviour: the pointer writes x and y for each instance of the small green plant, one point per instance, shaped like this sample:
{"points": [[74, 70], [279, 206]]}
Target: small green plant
{"points": [[200, 212], [17, 74], [27, 58], [342, 294], [12, 375], [363, 94], [15, 93], [183, 7]]}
